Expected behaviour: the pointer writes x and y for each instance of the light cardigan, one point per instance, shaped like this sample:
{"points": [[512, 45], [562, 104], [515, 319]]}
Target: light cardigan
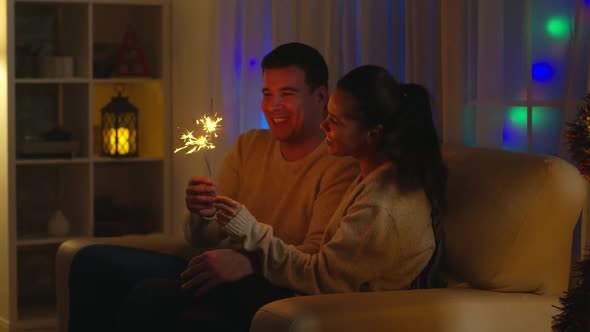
{"points": [[297, 198], [378, 239]]}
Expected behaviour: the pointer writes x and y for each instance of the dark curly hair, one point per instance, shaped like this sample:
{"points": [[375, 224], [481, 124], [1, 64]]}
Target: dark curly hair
{"points": [[409, 139], [575, 305]]}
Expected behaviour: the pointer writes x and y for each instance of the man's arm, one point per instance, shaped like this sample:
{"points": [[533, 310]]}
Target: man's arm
{"points": [[203, 232], [332, 188]]}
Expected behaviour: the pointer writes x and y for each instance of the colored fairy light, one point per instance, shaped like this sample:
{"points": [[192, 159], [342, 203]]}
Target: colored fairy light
{"points": [[558, 27], [517, 115], [514, 132], [542, 71]]}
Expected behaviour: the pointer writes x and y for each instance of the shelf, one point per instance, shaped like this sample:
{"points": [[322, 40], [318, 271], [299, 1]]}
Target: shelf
{"points": [[40, 109], [129, 2], [107, 160], [39, 319], [38, 315], [36, 275], [139, 28], [83, 80], [113, 2], [73, 80], [51, 39], [126, 80], [42, 239], [46, 189], [53, 1], [121, 203], [64, 67], [52, 161]]}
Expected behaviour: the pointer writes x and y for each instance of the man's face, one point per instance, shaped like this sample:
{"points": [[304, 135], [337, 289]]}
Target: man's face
{"points": [[292, 111]]}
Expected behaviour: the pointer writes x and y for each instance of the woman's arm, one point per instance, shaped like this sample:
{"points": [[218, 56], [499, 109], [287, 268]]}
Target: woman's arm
{"points": [[363, 247]]}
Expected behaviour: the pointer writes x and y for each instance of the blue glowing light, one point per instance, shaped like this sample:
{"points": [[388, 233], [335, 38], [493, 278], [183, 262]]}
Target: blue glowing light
{"points": [[252, 62], [542, 71], [514, 139], [262, 123]]}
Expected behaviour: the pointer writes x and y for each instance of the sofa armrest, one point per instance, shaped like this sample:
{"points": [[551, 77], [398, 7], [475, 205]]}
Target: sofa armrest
{"points": [[68, 250], [412, 310]]}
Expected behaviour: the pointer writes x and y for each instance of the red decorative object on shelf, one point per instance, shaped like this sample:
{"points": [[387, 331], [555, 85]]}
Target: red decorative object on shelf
{"points": [[130, 58]]}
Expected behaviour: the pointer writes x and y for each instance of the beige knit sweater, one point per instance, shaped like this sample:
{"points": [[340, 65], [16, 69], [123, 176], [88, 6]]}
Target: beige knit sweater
{"points": [[378, 239], [296, 198]]}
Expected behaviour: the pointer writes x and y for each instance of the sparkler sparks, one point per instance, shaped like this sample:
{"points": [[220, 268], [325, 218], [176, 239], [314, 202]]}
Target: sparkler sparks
{"points": [[210, 126], [194, 143], [201, 142]]}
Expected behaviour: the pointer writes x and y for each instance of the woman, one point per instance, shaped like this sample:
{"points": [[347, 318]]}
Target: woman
{"points": [[383, 235]]}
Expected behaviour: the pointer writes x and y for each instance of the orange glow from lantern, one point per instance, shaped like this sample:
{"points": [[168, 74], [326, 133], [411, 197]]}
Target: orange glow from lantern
{"points": [[118, 141]]}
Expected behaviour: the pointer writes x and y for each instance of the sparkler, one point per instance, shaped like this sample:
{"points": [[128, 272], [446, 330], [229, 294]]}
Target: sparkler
{"points": [[193, 143]]}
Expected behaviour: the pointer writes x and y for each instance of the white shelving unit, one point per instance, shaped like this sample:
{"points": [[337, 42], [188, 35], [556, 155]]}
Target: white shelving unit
{"points": [[99, 195]]}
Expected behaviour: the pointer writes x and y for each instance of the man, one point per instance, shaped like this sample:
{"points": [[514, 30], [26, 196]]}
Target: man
{"points": [[285, 177]]}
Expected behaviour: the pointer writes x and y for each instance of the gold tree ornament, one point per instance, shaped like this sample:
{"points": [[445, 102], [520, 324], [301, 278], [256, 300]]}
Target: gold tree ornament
{"points": [[577, 135]]}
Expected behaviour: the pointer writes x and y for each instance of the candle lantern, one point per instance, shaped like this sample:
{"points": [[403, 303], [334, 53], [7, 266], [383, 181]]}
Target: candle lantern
{"points": [[119, 128]]}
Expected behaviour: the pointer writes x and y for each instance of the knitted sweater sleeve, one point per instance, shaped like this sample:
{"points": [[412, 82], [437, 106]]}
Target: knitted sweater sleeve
{"points": [[363, 247], [332, 187]]}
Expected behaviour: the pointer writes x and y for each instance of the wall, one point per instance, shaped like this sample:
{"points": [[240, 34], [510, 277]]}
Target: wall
{"points": [[192, 40], [6, 230], [462, 52]]}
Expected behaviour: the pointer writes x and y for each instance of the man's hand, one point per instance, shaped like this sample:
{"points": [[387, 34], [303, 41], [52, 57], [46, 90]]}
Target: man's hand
{"points": [[215, 267], [200, 193]]}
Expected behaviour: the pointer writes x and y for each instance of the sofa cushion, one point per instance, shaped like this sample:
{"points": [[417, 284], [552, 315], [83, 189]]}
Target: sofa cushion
{"points": [[510, 219]]}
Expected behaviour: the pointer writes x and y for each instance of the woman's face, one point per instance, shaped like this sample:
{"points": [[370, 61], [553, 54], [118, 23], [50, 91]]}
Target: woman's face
{"points": [[345, 136]]}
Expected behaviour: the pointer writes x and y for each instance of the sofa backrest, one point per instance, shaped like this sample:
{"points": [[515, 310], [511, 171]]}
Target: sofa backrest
{"points": [[510, 219]]}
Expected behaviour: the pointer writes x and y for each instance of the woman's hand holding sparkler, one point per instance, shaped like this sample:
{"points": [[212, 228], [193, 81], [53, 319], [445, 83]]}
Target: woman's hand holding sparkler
{"points": [[227, 209], [200, 195]]}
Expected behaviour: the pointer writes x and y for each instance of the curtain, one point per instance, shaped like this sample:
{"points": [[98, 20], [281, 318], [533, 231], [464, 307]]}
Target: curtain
{"points": [[348, 33], [526, 68], [503, 74]]}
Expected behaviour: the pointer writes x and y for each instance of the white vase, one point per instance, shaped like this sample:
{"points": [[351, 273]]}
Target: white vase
{"points": [[58, 224]]}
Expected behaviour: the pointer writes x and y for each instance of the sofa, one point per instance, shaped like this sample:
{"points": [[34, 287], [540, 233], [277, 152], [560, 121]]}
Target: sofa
{"points": [[508, 243]]}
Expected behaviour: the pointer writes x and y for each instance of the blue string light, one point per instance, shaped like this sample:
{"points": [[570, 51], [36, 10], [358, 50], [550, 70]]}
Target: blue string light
{"points": [[542, 71]]}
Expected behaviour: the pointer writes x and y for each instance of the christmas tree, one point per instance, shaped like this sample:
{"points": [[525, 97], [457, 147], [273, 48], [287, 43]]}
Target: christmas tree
{"points": [[574, 313], [577, 134]]}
